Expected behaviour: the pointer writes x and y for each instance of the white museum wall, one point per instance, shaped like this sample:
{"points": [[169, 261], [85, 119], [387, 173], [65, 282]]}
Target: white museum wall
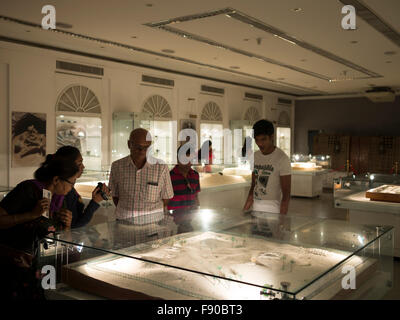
{"points": [[34, 86]]}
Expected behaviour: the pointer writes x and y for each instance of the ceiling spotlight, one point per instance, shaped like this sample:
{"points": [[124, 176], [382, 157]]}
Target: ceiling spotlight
{"points": [[133, 37], [297, 9], [354, 42]]}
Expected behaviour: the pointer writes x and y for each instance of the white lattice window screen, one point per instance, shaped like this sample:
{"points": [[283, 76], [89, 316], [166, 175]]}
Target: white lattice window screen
{"points": [[284, 119], [158, 107], [78, 98], [211, 112], [252, 114]]}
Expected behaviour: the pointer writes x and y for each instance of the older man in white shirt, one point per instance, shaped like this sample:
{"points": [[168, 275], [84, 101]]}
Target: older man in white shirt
{"points": [[139, 187]]}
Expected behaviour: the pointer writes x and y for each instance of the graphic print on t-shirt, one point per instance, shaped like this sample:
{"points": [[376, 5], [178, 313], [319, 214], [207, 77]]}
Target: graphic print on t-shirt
{"points": [[262, 173]]}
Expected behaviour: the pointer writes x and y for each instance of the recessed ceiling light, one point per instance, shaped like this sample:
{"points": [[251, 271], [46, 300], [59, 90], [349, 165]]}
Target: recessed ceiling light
{"points": [[388, 61], [133, 37], [168, 51], [390, 53], [228, 16], [102, 47], [27, 30], [63, 25], [354, 42], [149, 4], [297, 9], [215, 58], [303, 60], [234, 67], [246, 39], [269, 72]]}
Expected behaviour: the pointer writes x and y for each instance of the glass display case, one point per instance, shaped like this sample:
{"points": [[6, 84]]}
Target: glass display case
{"points": [[372, 199], [310, 162], [224, 254], [356, 187], [162, 147], [215, 133], [122, 125], [283, 139], [84, 133], [246, 128]]}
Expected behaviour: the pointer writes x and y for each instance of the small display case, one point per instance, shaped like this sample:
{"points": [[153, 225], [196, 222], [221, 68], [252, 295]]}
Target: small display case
{"points": [[223, 254], [386, 193], [310, 162], [370, 198]]}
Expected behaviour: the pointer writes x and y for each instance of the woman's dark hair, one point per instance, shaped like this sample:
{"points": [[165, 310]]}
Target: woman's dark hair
{"points": [[263, 127], [68, 152], [205, 148], [56, 167], [247, 141]]}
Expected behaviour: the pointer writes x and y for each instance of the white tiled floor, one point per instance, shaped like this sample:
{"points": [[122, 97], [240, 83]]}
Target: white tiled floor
{"points": [[323, 207]]}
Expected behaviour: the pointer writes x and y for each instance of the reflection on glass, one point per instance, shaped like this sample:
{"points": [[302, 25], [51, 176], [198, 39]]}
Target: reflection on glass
{"points": [[213, 132], [162, 133], [283, 139], [83, 133]]}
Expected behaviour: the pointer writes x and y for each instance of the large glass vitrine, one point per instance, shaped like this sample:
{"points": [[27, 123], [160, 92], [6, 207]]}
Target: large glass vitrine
{"points": [[84, 133], [224, 254], [122, 125], [215, 133]]}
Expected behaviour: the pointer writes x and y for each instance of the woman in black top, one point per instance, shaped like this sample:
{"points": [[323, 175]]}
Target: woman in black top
{"points": [[75, 207], [22, 226]]}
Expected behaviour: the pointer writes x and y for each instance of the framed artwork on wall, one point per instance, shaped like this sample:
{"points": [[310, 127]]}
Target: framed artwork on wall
{"points": [[28, 139]]}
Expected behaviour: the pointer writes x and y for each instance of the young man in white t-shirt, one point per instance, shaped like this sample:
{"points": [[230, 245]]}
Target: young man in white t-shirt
{"points": [[270, 188]]}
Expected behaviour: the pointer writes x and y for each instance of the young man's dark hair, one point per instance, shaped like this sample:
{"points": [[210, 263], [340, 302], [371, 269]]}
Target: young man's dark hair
{"points": [[263, 127]]}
